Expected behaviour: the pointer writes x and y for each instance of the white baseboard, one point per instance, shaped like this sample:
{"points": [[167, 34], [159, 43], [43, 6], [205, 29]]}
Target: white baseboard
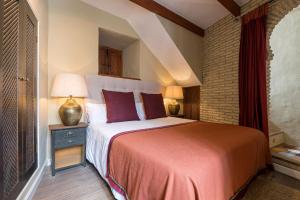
{"points": [[33, 183], [287, 171]]}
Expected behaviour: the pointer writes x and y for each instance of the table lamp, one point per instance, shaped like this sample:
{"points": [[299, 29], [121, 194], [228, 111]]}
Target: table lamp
{"points": [[69, 85], [174, 93]]}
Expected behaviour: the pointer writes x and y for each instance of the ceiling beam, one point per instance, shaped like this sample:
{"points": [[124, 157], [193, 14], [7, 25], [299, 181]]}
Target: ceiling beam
{"points": [[170, 15], [233, 7]]}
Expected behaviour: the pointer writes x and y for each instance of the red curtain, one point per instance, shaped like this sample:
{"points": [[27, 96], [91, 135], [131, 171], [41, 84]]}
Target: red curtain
{"points": [[252, 71]]}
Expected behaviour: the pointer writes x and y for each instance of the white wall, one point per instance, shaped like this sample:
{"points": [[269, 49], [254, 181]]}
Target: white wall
{"points": [[285, 77], [139, 62], [131, 60], [190, 44], [152, 69]]}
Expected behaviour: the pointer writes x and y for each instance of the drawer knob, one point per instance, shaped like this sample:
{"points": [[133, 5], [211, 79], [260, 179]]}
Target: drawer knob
{"points": [[69, 133]]}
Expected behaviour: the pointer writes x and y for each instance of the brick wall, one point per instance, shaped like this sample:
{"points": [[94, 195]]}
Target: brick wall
{"points": [[219, 93]]}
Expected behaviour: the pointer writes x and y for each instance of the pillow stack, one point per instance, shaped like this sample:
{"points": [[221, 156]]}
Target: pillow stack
{"points": [[121, 106]]}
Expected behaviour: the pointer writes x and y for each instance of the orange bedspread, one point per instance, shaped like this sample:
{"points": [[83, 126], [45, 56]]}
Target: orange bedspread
{"points": [[198, 160]]}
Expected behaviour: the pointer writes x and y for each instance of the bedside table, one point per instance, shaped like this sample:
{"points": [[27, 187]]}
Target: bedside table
{"points": [[68, 144], [177, 116]]}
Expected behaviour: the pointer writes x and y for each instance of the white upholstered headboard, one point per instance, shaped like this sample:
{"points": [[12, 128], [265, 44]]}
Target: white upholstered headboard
{"points": [[96, 83]]}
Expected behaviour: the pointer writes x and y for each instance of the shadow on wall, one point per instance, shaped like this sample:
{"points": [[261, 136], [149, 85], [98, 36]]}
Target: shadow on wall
{"points": [[285, 77]]}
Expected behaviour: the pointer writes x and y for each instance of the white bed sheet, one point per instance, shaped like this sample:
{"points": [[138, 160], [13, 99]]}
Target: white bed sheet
{"points": [[99, 136]]}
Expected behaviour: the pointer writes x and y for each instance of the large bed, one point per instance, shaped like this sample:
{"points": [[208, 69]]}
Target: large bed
{"points": [[170, 158]]}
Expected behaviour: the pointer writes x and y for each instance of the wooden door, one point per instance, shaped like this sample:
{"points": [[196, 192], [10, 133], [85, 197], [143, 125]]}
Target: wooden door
{"points": [[103, 61], [29, 90], [116, 64], [9, 117], [191, 102], [110, 62]]}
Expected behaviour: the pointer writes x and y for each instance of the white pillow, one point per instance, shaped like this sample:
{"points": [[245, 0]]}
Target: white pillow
{"points": [[96, 113], [140, 111]]}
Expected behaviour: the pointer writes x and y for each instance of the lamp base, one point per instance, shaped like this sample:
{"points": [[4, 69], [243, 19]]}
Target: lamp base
{"points": [[70, 112], [174, 109]]}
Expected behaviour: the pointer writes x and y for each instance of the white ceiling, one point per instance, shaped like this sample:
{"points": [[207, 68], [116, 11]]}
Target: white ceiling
{"points": [[201, 12]]}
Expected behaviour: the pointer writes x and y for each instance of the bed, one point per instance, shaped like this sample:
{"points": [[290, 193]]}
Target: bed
{"points": [[170, 158]]}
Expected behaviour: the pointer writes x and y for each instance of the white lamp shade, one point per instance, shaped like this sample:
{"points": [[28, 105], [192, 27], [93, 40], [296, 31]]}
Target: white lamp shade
{"points": [[174, 92], [67, 84]]}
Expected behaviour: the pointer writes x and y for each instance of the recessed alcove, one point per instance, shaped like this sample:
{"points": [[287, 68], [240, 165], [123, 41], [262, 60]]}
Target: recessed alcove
{"points": [[118, 55]]}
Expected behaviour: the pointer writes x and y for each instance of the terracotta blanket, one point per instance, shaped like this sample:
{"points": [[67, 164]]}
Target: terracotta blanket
{"points": [[185, 162]]}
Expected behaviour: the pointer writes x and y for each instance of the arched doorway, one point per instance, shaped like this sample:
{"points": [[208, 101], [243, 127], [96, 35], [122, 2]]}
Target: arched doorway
{"points": [[285, 77]]}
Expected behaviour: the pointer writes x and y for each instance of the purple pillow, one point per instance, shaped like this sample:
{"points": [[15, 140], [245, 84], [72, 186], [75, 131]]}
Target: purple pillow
{"points": [[154, 106], [120, 106]]}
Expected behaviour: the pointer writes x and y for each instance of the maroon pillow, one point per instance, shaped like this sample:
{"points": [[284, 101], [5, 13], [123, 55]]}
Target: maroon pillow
{"points": [[154, 106], [120, 106]]}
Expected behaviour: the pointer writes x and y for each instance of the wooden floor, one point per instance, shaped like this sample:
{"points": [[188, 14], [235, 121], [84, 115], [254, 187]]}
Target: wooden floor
{"points": [[85, 184], [82, 183]]}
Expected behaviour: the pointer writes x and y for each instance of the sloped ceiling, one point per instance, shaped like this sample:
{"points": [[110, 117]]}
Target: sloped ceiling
{"points": [[201, 12]]}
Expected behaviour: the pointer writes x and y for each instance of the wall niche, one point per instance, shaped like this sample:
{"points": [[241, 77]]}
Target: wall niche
{"points": [[118, 55]]}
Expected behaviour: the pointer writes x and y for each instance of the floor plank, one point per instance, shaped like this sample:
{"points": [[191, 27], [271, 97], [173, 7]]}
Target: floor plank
{"points": [[85, 184]]}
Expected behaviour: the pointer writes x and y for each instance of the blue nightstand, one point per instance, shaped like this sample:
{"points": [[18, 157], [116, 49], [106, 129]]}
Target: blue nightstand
{"points": [[68, 145]]}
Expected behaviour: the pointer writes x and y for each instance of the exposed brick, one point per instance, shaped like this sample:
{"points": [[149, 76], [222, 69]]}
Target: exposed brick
{"points": [[219, 93]]}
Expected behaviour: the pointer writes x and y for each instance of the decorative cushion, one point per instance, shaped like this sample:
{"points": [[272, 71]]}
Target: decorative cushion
{"points": [[120, 106], [153, 105]]}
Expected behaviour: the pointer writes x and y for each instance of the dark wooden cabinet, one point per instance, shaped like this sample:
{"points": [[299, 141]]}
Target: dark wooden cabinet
{"points": [[191, 102], [110, 62], [18, 96]]}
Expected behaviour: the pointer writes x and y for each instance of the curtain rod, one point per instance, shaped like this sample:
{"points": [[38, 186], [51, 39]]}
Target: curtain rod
{"points": [[270, 2]]}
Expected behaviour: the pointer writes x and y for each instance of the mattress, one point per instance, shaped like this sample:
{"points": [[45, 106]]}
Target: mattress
{"points": [[99, 136]]}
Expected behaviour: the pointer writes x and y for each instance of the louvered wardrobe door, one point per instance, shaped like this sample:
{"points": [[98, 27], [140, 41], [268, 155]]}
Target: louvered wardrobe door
{"points": [[29, 84], [9, 95], [1, 83]]}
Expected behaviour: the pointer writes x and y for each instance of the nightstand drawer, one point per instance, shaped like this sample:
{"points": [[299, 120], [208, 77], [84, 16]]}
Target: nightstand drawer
{"points": [[71, 133], [68, 142], [71, 137]]}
